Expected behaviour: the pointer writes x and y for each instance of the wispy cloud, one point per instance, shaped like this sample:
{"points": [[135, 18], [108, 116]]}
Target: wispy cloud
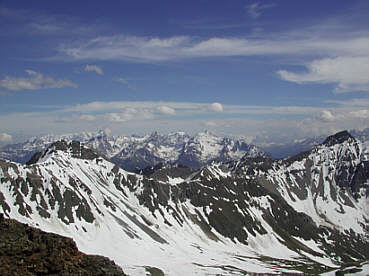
{"points": [[210, 124], [94, 68], [148, 49], [188, 108], [35, 81], [209, 24], [130, 114], [348, 73], [87, 117], [361, 114], [34, 22], [256, 9], [356, 102], [127, 82]]}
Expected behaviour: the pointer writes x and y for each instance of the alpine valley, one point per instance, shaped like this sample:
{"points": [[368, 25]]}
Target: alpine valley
{"points": [[231, 210]]}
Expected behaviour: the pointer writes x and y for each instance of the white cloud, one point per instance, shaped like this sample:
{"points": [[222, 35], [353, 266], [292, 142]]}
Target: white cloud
{"points": [[116, 117], [325, 116], [144, 117], [359, 102], [87, 117], [361, 114], [255, 9], [5, 138], [214, 107], [130, 114], [127, 83], [34, 22], [210, 124], [35, 81], [123, 80], [148, 49], [118, 106], [94, 68], [348, 73], [189, 108], [166, 110], [96, 107], [120, 47]]}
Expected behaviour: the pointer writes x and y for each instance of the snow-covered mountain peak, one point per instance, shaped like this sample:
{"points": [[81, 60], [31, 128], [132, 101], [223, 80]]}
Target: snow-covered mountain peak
{"points": [[74, 149]]}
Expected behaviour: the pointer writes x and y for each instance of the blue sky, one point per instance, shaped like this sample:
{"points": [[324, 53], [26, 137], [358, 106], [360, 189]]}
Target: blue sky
{"points": [[276, 70]]}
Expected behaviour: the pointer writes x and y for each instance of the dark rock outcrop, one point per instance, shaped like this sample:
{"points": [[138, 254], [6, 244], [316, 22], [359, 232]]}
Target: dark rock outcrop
{"points": [[25, 250], [338, 138]]}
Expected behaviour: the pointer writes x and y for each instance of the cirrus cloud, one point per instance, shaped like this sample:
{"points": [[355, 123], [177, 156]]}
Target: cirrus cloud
{"points": [[156, 49], [255, 9], [87, 117], [129, 114], [35, 81], [127, 82], [94, 68]]}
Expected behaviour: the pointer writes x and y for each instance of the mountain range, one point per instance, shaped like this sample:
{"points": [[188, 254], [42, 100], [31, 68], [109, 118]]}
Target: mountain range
{"points": [[305, 214], [134, 152], [138, 152]]}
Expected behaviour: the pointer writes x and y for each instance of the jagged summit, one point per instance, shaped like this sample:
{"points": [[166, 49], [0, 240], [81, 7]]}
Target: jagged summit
{"points": [[338, 138], [76, 149]]}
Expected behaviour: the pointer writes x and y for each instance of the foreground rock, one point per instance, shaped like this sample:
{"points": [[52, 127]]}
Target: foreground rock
{"points": [[25, 250]]}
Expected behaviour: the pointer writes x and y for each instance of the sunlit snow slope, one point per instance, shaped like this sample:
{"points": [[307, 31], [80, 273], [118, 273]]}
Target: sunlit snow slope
{"points": [[297, 215]]}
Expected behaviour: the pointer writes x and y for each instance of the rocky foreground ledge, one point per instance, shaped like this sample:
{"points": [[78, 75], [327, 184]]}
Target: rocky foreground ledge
{"points": [[25, 250]]}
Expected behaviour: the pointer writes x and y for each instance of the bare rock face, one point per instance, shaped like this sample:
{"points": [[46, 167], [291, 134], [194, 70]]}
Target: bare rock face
{"points": [[25, 250], [338, 138]]}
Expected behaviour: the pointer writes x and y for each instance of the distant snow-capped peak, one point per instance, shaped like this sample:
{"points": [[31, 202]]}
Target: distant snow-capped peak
{"points": [[132, 152]]}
